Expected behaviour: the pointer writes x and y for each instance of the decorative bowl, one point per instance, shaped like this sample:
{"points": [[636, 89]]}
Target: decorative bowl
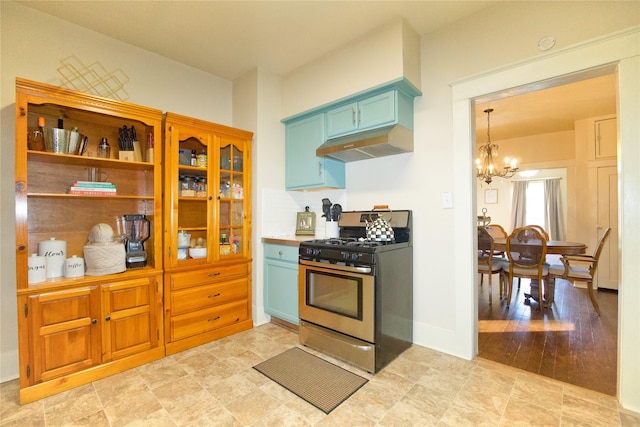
{"points": [[198, 252]]}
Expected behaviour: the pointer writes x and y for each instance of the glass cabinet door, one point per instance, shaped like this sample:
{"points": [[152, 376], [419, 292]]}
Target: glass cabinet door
{"points": [[231, 210], [191, 182]]}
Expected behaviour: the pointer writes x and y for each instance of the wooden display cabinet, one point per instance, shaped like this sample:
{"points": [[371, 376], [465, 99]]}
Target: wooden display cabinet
{"points": [[207, 295], [75, 330]]}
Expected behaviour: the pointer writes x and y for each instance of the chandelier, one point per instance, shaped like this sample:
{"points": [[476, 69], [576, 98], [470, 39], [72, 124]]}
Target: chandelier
{"points": [[485, 164]]}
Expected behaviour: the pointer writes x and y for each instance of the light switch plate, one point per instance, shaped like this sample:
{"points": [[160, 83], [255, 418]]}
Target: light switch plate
{"points": [[447, 200]]}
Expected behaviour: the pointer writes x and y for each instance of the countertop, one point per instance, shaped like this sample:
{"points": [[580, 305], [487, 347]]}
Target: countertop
{"points": [[291, 240]]}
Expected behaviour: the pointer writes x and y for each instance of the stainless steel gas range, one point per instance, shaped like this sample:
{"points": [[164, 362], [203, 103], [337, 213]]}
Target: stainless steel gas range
{"points": [[356, 295]]}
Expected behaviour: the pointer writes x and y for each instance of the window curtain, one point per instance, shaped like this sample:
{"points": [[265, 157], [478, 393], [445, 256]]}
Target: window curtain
{"points": [[519, 204], [553, 209]]}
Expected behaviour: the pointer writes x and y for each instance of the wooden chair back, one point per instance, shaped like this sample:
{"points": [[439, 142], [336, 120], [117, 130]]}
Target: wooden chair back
{"points": [[485, 246], [596, 254], [541, 230], [527, 248], [496, 231]]}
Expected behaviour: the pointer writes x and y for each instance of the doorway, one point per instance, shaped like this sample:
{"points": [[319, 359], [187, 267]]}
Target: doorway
{"points": [[545, 343]]}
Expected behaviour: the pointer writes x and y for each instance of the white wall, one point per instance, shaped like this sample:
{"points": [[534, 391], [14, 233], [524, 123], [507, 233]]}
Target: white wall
{"points": [[379, 57], [35, 54]]}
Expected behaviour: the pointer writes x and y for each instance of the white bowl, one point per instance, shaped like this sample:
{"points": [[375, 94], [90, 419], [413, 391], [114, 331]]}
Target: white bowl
{"points": [[198, 252]]}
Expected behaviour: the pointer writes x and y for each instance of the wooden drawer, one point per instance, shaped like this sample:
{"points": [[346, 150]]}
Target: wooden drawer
{"points": [[199, 297], [281, 252], [190, 324], [208, 275]]}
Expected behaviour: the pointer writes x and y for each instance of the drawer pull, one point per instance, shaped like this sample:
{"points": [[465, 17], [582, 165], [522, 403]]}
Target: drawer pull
{"points": [[213, 319], [213, 274], [214, 295], [280, 253]]}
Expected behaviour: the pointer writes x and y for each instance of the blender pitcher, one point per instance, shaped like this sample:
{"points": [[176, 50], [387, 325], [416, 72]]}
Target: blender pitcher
{"points": [[136, 231]]}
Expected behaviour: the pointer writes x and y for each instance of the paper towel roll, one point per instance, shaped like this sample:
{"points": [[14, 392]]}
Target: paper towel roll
{"points": [[37, 269], [56, 253]]}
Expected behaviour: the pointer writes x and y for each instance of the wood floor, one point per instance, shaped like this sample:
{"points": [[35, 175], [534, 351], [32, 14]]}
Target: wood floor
{"points": [[570, 342]]}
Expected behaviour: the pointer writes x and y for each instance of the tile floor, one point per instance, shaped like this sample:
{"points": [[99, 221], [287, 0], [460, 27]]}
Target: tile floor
{"points": [[215, 385]]}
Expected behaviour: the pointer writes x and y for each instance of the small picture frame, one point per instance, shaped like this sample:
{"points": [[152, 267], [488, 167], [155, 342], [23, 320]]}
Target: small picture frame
{"points": [[491, 196], [306, 223]]}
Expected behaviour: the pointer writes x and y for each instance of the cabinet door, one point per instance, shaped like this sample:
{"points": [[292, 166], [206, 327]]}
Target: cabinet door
{"points": [[606, 138], [377, 110], [129, 313], [234, 200], [303, 168], [186, 188], [65, 332], [281, 289], [342, 120]]}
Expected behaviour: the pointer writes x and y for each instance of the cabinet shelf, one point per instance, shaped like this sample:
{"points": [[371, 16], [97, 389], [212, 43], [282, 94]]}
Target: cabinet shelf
{"points": [[59, 283], [73, 160], [82, 196]]}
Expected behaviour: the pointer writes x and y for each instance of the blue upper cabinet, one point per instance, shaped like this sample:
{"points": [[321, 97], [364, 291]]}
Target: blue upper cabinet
{"points": [[303, 169], [388, 104], [370, 112]]}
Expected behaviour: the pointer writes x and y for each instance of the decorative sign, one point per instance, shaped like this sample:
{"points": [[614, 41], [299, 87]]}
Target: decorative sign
{"points": [[491, 196], [306, 222]]}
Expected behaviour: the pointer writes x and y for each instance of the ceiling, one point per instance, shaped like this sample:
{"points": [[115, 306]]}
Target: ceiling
{"points": [[534, 111], [230, 38]]}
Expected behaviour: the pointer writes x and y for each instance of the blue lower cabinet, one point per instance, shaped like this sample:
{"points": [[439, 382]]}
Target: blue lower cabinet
{"points": [[281, 282]]}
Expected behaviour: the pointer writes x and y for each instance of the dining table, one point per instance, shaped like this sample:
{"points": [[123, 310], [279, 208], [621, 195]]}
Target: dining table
{"points": [[554, 247]]}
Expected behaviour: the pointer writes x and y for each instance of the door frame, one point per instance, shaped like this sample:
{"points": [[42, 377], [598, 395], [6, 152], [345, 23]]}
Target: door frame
{"points": [[622, 52]]}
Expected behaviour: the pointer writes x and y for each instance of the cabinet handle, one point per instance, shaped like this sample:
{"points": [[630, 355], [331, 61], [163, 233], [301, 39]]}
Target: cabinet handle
{"points": [[319, 167], [212, 319], [107, 318], [353, 116], [214, 295], [213, 274], [21, 247], [94, 321], [280, 253], [359, 116]]}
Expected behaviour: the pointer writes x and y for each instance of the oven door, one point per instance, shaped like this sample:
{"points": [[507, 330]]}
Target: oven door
{"points": [[337, 297]]}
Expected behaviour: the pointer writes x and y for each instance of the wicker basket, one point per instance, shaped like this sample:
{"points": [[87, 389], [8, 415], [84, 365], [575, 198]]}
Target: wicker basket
{"points": [[104, 258], [102, 255]]}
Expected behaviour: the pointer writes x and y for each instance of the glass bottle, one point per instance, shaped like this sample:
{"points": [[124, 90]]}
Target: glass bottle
{"points": [[104, 150]]}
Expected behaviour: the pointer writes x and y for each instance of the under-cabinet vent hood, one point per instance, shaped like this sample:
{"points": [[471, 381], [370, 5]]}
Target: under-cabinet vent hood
{"points": [[378, 142]]}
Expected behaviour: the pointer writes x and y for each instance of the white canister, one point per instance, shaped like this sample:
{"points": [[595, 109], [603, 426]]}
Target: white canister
{"points": [[74, 267], [56, 253], [37, 269], [331, 229]]}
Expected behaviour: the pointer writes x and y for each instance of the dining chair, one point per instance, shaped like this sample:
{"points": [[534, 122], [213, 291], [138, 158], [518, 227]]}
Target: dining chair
{"points": [[586, 273], [526, 251], [541, 230], [488, 263], [497, 232]]}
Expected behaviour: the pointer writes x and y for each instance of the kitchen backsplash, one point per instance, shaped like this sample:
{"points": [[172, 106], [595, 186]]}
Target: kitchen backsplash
{"points": [[281, 207]]}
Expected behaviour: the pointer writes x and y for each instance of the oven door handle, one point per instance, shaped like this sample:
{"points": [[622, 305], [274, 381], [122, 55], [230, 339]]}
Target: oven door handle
{"points": [[363, 270]]}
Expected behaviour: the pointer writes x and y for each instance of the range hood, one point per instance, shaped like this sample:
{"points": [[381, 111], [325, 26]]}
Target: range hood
{"points": [[370, 144]]}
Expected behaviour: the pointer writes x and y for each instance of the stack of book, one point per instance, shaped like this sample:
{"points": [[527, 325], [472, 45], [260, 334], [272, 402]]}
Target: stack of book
{"points": [[91, 188]]}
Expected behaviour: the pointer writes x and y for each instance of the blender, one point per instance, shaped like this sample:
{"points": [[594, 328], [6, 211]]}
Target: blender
{"points": [[136, 229]]}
